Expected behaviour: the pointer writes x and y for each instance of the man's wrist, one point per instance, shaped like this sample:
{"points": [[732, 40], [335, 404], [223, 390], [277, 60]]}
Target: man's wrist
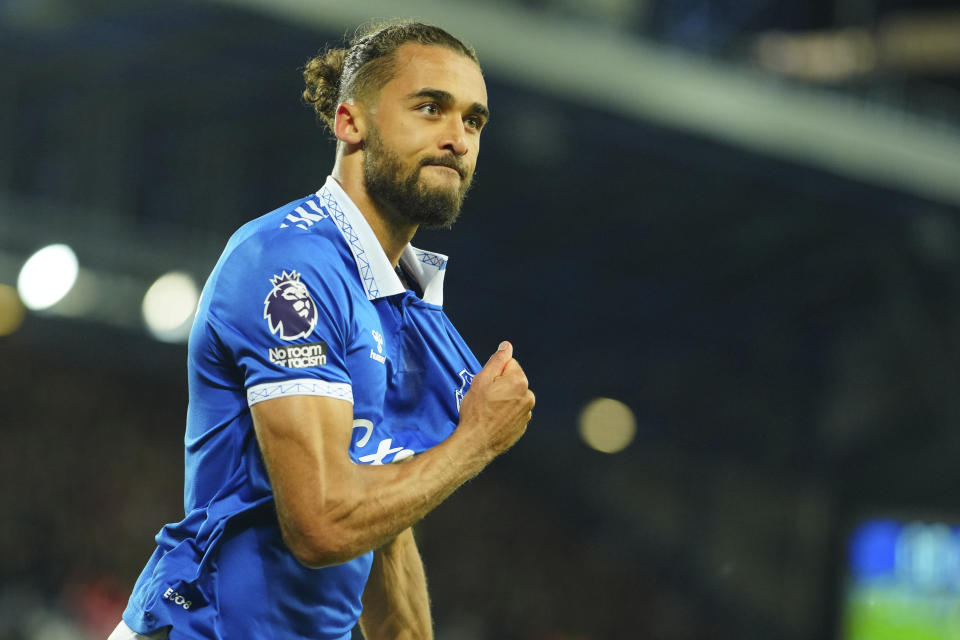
{"points": [[468, 449]]}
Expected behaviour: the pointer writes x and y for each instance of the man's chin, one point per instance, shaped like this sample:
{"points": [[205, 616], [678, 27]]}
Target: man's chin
{"points": [[439, 217], [438, 208], [442, 183], [446, 190], [440, 224]]}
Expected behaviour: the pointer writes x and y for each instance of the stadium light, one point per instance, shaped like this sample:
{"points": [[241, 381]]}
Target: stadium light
{"points": [[169, 306], [607, 425], [47, 276]]}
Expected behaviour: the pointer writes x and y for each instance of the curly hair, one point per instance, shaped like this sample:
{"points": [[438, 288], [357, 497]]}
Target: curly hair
{"points": [[367, 63]]}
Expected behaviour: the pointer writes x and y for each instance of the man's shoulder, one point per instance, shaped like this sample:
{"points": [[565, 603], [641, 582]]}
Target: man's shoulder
{"points": [[300, 231]]}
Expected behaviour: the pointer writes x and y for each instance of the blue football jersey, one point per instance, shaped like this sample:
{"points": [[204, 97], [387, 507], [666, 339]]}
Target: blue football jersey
{"points": [[303, 301]]}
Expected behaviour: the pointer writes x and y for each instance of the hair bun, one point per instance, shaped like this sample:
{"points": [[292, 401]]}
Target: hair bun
{"points": [[322, 76]]}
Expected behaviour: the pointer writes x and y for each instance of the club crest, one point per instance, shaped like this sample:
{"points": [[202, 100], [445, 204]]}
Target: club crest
{"points": [[465, 379], [289, 310]]}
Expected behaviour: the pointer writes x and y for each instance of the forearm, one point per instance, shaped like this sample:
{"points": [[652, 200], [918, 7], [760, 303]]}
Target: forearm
{"points": [[382, 501], [377, 503], [395, 601], [332, 510]]}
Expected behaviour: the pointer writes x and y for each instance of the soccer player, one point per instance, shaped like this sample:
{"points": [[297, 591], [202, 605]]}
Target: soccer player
{"points": [[320, 358]]}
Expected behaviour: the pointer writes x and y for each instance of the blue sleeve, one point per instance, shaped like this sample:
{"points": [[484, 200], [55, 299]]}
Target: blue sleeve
{"points": [[280, 305]]}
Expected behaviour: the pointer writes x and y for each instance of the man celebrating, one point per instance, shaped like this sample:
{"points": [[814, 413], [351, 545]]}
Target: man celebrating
{"points": [[319, 357]]}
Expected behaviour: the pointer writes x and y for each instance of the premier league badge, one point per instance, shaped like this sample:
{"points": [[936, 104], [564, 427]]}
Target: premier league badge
{"points": [[289, 310]]}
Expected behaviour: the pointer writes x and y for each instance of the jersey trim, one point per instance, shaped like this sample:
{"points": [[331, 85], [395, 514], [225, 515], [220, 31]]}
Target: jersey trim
{"points": [[377, 274], [427, 268], [300, 387]]}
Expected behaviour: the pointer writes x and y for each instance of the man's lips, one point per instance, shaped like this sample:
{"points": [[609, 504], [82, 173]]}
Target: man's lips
{"points": [[446, 165], [443, 166]]}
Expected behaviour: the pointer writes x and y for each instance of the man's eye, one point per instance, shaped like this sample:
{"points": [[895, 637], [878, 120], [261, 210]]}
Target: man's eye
{"points": [[430, 108], [473, 122]]}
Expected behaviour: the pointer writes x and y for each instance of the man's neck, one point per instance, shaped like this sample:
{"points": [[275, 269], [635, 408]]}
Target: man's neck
{"points": [[392, 237]]}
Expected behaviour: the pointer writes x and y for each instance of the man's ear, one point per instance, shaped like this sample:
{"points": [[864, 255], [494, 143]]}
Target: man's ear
{"points": [[349, 124]]}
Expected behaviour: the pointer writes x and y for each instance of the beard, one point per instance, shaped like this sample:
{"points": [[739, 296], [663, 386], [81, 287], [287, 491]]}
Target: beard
{"points": [[405, 199]]}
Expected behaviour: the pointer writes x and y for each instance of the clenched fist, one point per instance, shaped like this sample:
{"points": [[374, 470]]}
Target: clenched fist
{"points": [[499, 404]]}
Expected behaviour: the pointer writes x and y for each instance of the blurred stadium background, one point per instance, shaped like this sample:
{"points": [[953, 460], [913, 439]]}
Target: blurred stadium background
{"points": [[735, 221]]}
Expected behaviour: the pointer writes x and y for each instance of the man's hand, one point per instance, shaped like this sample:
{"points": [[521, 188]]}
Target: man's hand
{"points": [[499, 404]]}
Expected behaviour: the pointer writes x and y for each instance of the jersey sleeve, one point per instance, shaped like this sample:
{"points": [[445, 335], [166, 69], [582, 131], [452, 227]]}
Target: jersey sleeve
{"points": [[280, 308]]}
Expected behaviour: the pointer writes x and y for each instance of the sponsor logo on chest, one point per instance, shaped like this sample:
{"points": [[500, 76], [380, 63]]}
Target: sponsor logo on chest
{"points": [[384, 447]]}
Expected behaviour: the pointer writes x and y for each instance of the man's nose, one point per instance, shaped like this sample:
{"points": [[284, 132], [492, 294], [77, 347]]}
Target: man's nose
{"points": [[455, 138]]}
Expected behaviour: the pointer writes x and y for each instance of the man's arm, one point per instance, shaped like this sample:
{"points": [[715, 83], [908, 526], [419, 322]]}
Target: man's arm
{"points": [[332, 510], [395, 601]]}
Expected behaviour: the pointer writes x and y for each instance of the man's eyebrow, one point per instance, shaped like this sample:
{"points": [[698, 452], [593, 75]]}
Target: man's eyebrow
{"points": [[446, 98], [480, 110]]}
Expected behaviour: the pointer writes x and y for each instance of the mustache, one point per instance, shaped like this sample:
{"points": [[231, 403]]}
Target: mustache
{"points": [[446, 161]]}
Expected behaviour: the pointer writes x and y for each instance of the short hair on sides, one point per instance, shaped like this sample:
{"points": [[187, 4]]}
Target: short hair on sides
{"points": [[368, 62]]}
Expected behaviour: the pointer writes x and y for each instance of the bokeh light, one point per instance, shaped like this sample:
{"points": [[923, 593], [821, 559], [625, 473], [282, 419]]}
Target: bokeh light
{"points": [[47, 276], [607, 425], [12, 310], [169, 306]]}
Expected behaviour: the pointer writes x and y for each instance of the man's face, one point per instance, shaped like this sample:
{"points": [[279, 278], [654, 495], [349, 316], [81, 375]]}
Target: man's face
{"points": [[421, 147]]}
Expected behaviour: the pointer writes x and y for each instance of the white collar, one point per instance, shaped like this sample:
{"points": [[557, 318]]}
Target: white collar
{"points": [[377, 274]]}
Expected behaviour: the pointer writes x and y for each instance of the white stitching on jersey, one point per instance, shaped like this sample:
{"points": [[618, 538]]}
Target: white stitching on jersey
{"points": [[301, 387]]}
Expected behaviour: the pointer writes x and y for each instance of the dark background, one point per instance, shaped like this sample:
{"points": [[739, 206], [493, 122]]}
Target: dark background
{"points": [[787, 336]]}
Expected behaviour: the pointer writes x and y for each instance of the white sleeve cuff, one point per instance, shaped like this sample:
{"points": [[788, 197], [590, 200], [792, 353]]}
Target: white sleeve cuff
{"points": [[302, 387]]}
